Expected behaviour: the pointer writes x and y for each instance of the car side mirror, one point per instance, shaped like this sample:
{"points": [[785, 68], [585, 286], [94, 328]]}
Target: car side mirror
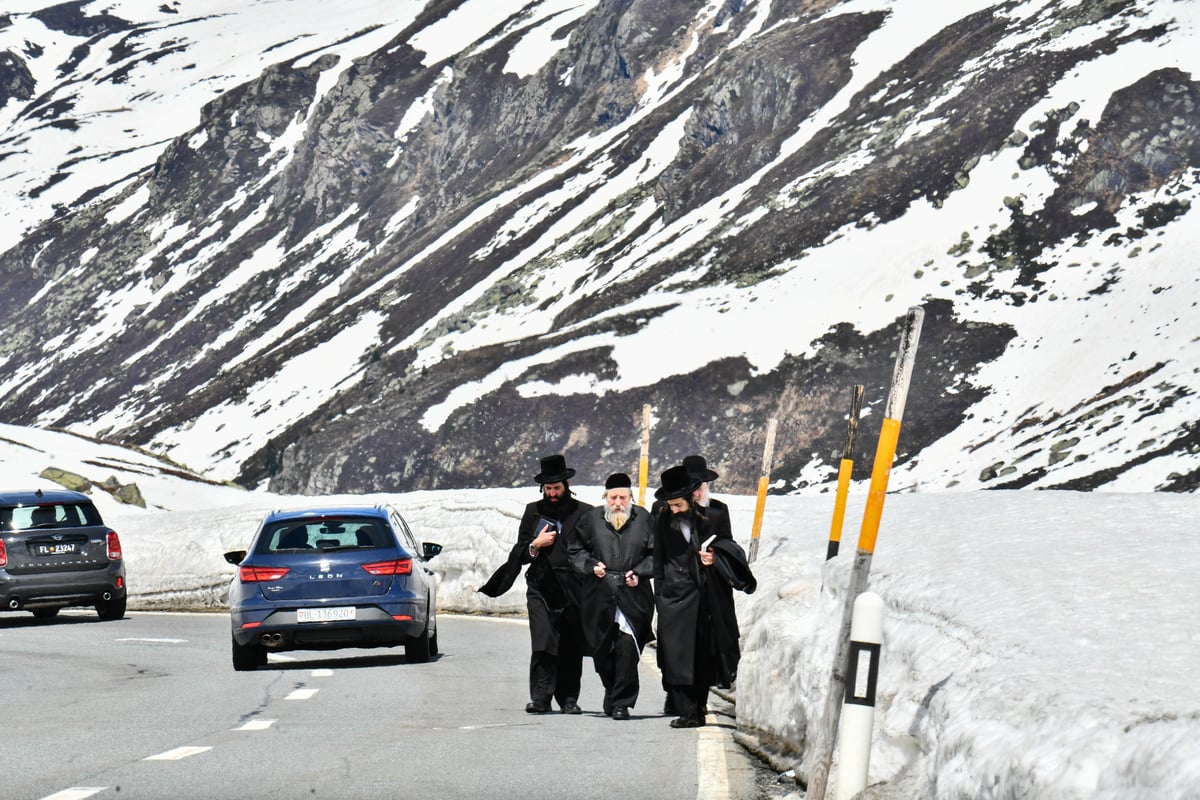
{"points": [[235, 557], [431, 549]]}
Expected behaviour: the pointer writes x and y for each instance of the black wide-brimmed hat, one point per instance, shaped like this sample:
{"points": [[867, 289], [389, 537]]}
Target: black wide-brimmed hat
{"points": [[699, 470], [676, 482], [554, 470]]}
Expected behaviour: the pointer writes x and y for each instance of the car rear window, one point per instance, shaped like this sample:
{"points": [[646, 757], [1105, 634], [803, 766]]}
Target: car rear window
{"points": [[49, 515], [344, 533]]}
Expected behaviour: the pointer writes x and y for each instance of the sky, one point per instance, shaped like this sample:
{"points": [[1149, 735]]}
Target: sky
{"points": [[1037, 644]]}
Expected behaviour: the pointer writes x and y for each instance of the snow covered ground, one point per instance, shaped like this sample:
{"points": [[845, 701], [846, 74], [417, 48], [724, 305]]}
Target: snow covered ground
{"points": [[1036, 644]]}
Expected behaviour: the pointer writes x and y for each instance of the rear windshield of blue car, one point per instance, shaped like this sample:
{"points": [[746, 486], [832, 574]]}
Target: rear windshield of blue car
{"points": [[340, 533], [49, 515]]}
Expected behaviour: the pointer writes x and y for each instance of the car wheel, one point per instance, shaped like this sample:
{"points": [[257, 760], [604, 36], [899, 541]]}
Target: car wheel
{"points": [[111, 609], [433, 645], [248, 656], [45, 613], [417, 650]]}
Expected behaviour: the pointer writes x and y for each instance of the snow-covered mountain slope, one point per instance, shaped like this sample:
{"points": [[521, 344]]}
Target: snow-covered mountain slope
{"points": [[417, 245]]}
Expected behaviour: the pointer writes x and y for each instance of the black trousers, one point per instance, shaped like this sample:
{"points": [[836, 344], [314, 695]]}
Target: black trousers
{"points": [[557, 675], [618, 670], [691, 700]]}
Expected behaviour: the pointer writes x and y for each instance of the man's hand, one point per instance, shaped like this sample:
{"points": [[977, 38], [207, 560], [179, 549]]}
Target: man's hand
{"points": [[631, 578], [599, 571], [706, 557], [545, 538]]}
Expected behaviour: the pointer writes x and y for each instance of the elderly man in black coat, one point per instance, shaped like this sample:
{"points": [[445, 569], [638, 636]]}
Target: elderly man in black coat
{"points": [[612, 547], [695, 571], [553, 587]]}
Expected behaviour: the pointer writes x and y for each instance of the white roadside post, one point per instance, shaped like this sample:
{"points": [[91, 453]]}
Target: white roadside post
{"points": [[858, 711]]}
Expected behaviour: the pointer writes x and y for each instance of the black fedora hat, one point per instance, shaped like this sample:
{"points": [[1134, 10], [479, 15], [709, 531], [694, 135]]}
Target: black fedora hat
{"points": [[554, 470], [699, 470], [676, 482]]}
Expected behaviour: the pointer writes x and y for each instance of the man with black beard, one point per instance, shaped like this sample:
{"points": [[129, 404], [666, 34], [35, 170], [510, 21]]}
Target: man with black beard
{"points": [[612, 547], [716, 512], [695, 571], [553, 588]]}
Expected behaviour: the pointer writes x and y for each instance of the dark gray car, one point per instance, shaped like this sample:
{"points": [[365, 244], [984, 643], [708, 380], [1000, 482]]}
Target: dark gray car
{"points": [[56, 551]]}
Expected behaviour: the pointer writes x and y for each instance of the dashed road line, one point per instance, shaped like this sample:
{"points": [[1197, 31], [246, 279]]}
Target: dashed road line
{"points": [[301, 694], [178, 753], [75, 793], [256, 725]]}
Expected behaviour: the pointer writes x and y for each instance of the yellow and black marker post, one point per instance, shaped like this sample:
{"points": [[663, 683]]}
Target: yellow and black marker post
{"points": [[764, 479], [644, 461], [844, 471], [820, 756]]}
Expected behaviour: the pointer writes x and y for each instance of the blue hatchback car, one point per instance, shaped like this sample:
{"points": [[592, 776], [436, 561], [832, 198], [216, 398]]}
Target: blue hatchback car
{"points": [[328, 578]]}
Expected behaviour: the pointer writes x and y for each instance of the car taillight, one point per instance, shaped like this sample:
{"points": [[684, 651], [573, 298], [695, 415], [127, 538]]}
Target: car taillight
{"points": [[399, 566], [114, 546], [256, 574], [3, 555]]}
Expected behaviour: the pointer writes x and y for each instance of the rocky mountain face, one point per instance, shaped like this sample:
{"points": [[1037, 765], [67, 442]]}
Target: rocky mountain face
{"points": [[426, 266]]}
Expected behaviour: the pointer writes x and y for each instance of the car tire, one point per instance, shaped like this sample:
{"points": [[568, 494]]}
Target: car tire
{"points": [[417, 651], [433, 643], [248, 656], [111, 609], [46, 613]]}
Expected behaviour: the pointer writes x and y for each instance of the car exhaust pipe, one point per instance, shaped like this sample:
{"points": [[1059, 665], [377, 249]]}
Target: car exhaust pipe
{"points": [[271, 639], [14, 603], [106, 596]]}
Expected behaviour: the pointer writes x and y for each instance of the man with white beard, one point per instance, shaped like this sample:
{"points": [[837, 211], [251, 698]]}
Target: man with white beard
{"points": [[614, 545]]}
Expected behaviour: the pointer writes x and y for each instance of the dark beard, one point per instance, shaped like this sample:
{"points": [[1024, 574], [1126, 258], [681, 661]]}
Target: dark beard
{"points": [[565, 505], [691, 516]]}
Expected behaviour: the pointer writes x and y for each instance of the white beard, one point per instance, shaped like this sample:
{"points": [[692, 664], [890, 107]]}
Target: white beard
{"points": [[616, 518]]}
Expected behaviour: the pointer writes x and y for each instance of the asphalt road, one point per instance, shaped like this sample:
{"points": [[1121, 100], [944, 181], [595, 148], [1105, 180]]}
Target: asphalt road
{"points": [[149, 707]]}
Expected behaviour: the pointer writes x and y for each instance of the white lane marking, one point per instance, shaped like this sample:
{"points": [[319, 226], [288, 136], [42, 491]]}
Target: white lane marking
{"points": [[152, 641], [712, 771], [256, 725], [481, 727], [75, 793], [322, 673], [713, 774], [301, 694], [178, 753]]}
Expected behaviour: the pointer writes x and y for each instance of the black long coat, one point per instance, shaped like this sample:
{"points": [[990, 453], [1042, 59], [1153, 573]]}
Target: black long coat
{"points": [[553, 586], [694, 602], [592, 541]]}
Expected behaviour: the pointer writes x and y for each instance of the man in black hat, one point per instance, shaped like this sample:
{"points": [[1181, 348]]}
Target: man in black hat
{"points": [[695, 570], [612, 547], [552, 594]]}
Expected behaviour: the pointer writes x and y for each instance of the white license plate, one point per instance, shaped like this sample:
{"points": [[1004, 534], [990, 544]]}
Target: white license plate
{"points": [[57, 549], [337, 614]]}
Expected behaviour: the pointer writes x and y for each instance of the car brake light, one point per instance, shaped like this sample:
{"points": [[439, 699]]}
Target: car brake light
{"points": [[399, 566], [114, 546], [255, 574], [3, 555]]}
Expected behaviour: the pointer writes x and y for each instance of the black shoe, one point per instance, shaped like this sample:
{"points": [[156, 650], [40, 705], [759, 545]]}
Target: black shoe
{"points": [[620, 712], [537, 707], [571, 707], [686, 722]]}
